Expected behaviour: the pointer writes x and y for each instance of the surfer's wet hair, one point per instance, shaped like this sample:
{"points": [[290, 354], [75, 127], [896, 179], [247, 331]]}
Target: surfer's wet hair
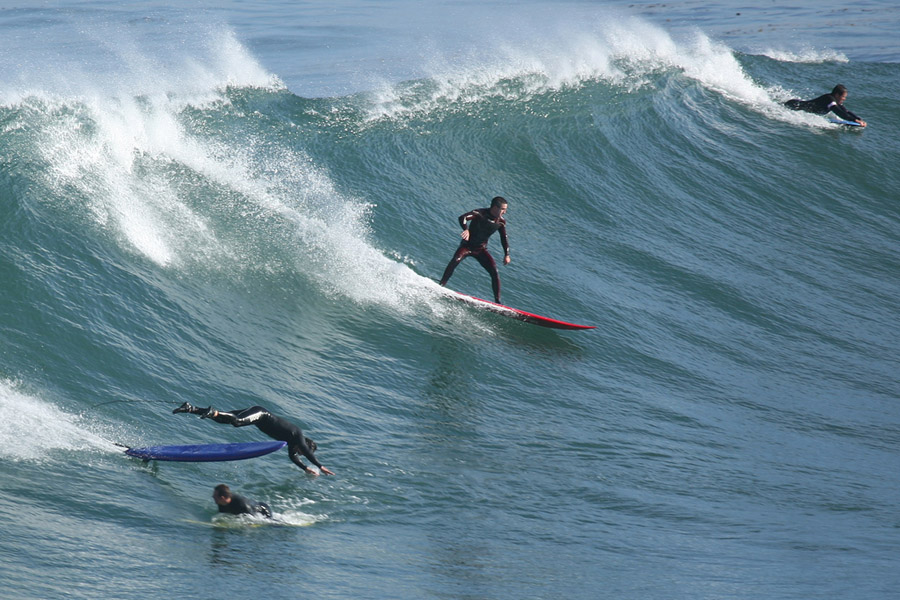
{"points": [[222, 491], [311, 445], [498, 200], [838, 90]]}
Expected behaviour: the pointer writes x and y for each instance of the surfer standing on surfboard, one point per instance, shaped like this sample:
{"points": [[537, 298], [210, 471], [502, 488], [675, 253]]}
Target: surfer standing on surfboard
{"points": [[833, 102], [274, 427], [484, 222]]}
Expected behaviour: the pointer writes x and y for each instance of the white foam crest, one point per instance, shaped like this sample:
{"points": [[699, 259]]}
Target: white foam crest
{"points": [[806, 55], [714, 65], [101, 154], [328, 235], [504, 71], [192, 62], [107, 113], [97, 150], [621, 52], [32, 427], [114, 138]]}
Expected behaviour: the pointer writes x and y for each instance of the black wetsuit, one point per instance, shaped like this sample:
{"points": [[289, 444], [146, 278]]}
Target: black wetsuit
{"points": [[241, 506], [822, 106], [274, 427], [482, 227]]}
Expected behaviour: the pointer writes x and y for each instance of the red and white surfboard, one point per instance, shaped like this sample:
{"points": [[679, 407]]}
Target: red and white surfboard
{"points": [[521, 315]]}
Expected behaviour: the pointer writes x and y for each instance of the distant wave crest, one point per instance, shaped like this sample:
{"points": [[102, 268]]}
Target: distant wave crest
{"points": [[806, 55]]}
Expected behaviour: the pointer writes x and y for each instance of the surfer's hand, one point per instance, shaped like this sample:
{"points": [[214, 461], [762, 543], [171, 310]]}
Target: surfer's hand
{"points": [[311, 472], [326, 471], [861, 122], [506, 259], [465, 234]]}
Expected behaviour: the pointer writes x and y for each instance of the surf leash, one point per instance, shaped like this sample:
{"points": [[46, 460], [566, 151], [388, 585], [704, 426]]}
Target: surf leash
{"points": [[93, 406]]}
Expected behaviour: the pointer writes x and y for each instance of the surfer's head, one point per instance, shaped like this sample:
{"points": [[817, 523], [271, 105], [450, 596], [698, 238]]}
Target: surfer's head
{"points": [[311, 445], [498, 206], [222, 494], [840, 93]]}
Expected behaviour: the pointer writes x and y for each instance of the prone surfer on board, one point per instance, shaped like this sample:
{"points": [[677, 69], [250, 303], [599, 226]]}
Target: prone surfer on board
{"points": [[484, 222], [833, 102], [274, 427], [238, 505]]}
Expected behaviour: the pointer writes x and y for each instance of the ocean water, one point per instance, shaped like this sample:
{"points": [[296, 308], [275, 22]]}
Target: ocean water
{"points": [[249, 203]]}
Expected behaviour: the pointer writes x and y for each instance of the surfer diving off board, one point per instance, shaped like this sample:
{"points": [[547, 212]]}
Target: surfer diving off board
{"points": [[274, 427], [833, 102], [484, 222]]}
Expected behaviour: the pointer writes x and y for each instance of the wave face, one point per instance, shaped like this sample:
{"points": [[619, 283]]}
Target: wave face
{"points": [[182, 225]]}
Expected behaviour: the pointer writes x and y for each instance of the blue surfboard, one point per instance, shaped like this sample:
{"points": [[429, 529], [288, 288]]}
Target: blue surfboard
{"points": [[837, 121], [206, 452]]}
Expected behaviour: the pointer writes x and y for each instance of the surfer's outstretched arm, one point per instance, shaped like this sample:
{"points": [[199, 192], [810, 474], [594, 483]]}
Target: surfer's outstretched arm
{"points": [[302, 448], [295, 458]]}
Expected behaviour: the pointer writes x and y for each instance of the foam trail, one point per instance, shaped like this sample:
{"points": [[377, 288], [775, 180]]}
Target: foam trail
{"points": [[287, 519], [32, 428]]}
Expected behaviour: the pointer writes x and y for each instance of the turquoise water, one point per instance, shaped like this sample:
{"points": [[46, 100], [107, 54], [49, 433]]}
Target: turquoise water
{"points": [[249, 203]]}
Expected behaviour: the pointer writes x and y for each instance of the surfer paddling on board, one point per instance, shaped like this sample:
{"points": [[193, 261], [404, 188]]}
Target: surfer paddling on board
{"points": [[274, 427], [833, 102], [238, 505], [484, 222]]}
